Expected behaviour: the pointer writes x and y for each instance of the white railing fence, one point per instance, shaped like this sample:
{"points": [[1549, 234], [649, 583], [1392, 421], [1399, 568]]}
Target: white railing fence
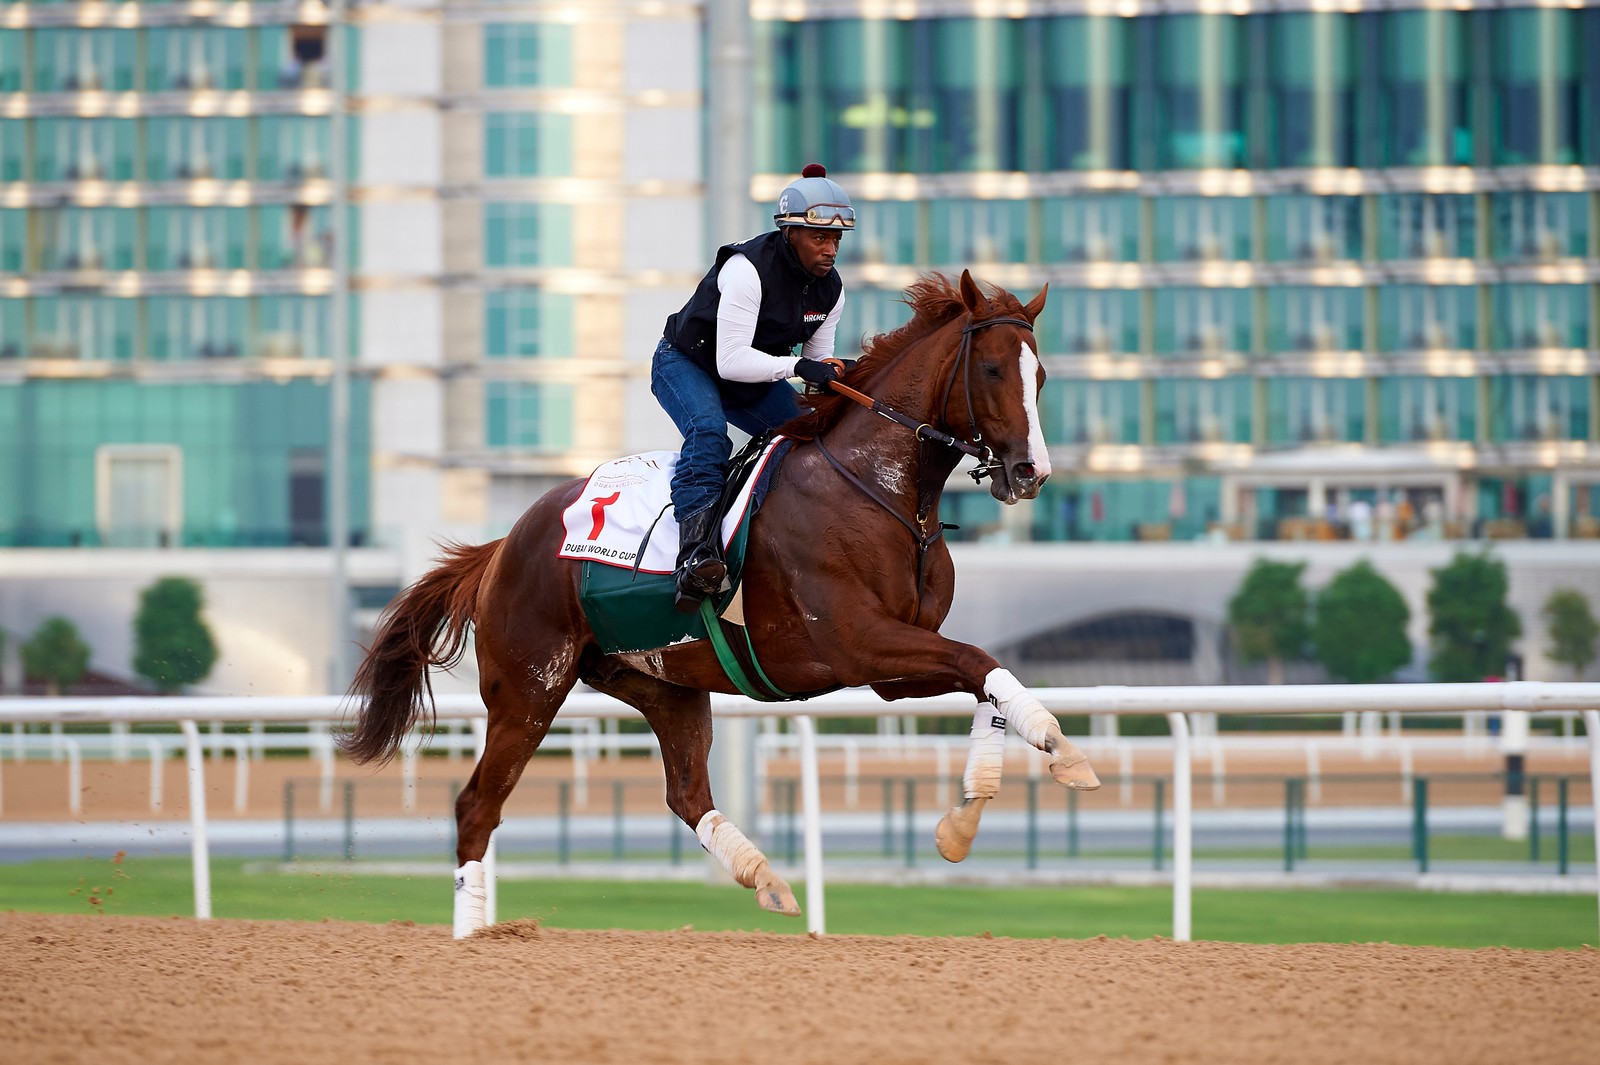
{"points": [[1175, 703]]}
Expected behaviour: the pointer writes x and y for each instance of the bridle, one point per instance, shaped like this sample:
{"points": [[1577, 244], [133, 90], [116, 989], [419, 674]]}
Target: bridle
{"points": [[928, 493], [988, 464]]}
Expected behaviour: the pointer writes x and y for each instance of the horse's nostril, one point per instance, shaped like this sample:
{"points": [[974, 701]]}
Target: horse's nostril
{"points": [[1024, 471]]}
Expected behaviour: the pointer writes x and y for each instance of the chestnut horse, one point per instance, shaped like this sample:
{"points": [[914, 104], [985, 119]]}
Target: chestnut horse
{"points": [[846, 581]]}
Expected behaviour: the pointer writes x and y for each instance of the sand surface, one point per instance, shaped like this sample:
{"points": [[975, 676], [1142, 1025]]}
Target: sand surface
{"points": [[107, 990]]}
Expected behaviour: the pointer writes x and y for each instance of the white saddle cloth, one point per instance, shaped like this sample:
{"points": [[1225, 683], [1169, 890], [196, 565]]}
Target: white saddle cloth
{"points": [[620, 502]]}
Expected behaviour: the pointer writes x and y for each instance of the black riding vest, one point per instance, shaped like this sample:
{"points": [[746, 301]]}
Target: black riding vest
{"points": [[793, 306]]}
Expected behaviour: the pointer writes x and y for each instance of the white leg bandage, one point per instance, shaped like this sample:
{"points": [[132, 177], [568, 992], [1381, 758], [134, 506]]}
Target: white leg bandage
{"points": [[986, 757], [471, 894], [1026, 714], [723, 841]]}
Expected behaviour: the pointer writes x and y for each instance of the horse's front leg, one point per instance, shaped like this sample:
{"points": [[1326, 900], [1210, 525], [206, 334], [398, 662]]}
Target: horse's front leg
{"points": [[925, 663]]}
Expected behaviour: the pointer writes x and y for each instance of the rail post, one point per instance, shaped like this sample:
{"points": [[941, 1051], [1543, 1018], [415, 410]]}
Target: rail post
{"points": [[811, 800], [1182, 829], [1289, 849], [616, 821], [199, 845], [1159, 843], [888, 818], [1072, 822], [911, 821], [288, 820], [1533, 819], [349, 820], [1563, 847], [563, 822], [1419, 823]]}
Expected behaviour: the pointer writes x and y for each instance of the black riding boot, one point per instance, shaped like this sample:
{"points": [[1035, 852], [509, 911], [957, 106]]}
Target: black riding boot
{"points": [[701, 570]]}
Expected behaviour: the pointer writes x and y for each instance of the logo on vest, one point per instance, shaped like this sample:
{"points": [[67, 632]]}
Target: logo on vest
{"points": [[815, 316]]}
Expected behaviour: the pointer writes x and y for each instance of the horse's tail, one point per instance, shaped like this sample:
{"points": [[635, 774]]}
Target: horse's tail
{"points": [[393, 678]]}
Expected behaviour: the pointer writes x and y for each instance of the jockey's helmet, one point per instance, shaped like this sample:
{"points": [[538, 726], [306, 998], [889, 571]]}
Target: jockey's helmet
{"points": [[815, 201]]}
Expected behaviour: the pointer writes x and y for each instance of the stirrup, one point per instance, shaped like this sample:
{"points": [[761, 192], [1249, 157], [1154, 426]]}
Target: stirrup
{"points": [[696, 580]]}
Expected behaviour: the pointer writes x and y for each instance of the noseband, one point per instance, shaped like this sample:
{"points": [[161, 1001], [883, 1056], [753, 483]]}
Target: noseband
{"points": [[988, 464]]}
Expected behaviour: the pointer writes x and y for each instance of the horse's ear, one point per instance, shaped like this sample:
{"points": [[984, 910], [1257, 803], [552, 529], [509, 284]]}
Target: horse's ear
{"points": [[971, 298], [1036, 304]]}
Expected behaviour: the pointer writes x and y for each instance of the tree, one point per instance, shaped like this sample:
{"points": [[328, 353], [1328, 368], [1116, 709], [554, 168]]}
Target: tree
{"points": [[1470, 627], [172, 647], [1360, 626], [1572, 629], [1268, 615], [56, 654]]}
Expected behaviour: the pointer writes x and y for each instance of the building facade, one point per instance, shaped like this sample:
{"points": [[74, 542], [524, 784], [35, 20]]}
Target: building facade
{"points": [[1313, 272]]}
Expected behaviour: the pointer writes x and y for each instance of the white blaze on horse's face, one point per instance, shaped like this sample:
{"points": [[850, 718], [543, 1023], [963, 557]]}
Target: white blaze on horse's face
{"points": [[1038, 452]]}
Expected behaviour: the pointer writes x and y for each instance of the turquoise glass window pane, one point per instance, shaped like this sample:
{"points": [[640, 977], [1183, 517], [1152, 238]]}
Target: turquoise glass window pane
{"points": [[1538, 92], [181, 328], [84, 149], [1202, 228], [527, 234], [857, 102], [1540, 316], [1090, 229], [1426, 106], [83, 60], [1308, 410], [1421, 226], [13, 52], [1414, 408], [293, 327], [185, 149], [528, 416], [525, 323], [1200, 73], [1314, 318], [886, 232], [1313, 229], [1088, 87], [293, 147], [1079, 412], [869, 312], [1108, 510], [1312, 99], [1540, 225], [1202, 322], [14, 136], [79, 238], [1427, 317], [194, 58], [297, 237], [978, 231], [518, 144], [83, 328], [1088, 321], [13, 241], [976, 93], [1530, 407], [1195, 410], [196, 238], [526, 54], [13, 331]]}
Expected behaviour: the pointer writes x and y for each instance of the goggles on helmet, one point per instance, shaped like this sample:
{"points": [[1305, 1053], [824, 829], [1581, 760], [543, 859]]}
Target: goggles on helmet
{"points": [[822, 216]]}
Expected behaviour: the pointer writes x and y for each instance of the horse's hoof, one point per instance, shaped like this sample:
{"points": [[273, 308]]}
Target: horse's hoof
{"points": [[957, 829], [1070, 767], [774, 896]]}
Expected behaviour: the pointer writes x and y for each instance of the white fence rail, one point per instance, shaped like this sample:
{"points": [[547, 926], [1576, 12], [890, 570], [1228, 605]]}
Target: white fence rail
{"points": [[1176, 703]]}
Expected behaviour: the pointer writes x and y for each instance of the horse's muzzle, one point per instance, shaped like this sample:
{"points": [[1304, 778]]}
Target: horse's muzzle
{"points": [[1022, 480]]}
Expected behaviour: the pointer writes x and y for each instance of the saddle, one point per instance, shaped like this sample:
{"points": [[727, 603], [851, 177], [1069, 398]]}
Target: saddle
{"points": [[627, 593]]}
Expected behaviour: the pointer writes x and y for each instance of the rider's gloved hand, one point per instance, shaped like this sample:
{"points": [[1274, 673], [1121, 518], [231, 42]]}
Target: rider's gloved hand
{"points": [[815, 372]]}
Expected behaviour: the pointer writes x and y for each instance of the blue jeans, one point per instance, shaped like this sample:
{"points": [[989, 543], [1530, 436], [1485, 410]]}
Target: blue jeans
{"points": [[694, 401]]}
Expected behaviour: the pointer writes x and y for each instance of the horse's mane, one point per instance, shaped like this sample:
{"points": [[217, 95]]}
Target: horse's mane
{"points": [[935, 301]]}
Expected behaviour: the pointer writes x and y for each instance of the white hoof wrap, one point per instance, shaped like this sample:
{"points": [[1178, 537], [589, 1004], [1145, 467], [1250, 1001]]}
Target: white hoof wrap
{"points": [[471, 897], [723, 841], [986, 756], [1026, 714]]}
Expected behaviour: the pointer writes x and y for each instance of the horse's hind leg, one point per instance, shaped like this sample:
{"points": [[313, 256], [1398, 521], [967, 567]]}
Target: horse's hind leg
{"points": [[681, 720], [519, 718]]}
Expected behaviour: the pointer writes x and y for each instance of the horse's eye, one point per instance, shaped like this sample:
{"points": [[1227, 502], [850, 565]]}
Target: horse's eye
{"points": [[991, 371]]}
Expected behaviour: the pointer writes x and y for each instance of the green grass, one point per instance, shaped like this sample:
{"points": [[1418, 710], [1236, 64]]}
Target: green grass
{"points": [[161, 886]]}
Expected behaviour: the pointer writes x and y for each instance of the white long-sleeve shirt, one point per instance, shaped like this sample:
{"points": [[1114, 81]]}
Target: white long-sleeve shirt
{"points": [[737, 311]]}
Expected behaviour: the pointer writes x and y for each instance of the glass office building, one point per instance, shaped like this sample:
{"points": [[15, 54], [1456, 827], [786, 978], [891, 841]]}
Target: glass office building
{"points": [[1299, 260]]}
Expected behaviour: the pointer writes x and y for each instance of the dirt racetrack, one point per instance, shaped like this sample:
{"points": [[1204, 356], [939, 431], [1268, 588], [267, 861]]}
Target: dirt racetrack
{"points": [[124, 989]]}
